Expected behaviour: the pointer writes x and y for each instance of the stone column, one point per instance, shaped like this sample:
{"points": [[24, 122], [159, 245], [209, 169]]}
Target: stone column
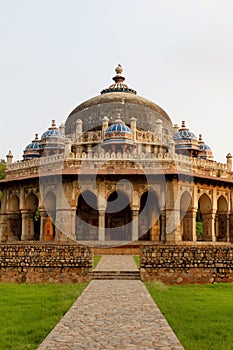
{"points": [[163, 225], [231, 227], [65, 223], [134, 227], [43, 216], [212, 218], [101, 225], [193, 215], [27, 225], [173, 226], [228, 227]]}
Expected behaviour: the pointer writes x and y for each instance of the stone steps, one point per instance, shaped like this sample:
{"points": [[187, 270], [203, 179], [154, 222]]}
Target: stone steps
{"points": [[116, 275]]}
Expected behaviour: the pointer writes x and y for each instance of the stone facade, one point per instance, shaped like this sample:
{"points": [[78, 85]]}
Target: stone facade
{"points": [[187, 263], [118, 170], [45, 263]]}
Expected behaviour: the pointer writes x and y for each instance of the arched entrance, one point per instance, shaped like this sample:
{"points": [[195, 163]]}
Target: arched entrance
{"points": [[49, 225], [149, 225], [14, 219], [87, 217], [205, 217], [222, 220], [31, 224], [186, 216], [118, 217]]}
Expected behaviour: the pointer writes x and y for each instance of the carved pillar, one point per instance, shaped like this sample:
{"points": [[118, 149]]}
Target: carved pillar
{"points": [[193, 215], [228, 228], [43, 216], [163, 225], [173, 225], [27, 225], [231, 227], [65, 223], [212, 225], [101, 225], [134, 227]]}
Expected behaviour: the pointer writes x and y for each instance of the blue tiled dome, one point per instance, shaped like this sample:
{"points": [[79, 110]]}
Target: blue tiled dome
{"points": [[32, 149], [51, 133], [205, 147], [118, 128], [32, 146], [52, 141], [184, 134]]}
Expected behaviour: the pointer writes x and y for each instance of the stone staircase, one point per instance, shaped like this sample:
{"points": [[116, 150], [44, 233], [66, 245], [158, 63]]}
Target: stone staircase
{"points": [[116, 275]]}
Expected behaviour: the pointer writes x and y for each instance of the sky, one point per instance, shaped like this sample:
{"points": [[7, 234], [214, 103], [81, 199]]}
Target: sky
{"points": [[55, 54]]}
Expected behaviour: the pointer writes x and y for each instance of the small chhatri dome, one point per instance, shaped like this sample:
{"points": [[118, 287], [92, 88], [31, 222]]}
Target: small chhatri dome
{"points": [[118, 130], [32, 150], [52, 141], [186, 142], [184, 134], [202, 144], [119, 85], [53, 131], [206, 152]]}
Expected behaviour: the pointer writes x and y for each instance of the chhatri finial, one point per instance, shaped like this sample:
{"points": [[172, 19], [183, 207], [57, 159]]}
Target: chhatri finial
{"points": [[200, 137], [118, 119]]}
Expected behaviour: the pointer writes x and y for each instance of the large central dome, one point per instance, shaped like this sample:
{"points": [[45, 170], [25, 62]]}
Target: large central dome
{"points": [[117, 98]]}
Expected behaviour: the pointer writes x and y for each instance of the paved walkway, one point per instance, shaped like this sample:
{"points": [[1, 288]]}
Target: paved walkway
{"points": [[113, 314]]}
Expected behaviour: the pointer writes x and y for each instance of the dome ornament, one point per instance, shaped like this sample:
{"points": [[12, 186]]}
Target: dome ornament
{"points": [[118, 85], [119, 79]]}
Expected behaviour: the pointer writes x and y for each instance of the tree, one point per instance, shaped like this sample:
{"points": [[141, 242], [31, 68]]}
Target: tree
{"points": [[2, 169]]}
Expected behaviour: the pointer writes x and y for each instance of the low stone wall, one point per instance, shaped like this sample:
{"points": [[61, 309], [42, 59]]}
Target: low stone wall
{"points": [[187, 264], [125, 250], [45, 263]]}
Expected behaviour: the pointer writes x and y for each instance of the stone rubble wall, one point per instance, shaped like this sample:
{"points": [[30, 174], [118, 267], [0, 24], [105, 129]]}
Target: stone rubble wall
{"points": [[187, 264], [45, 263]]}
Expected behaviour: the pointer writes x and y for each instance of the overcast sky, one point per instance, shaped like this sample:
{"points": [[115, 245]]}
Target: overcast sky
{"points": [[56, 54]]}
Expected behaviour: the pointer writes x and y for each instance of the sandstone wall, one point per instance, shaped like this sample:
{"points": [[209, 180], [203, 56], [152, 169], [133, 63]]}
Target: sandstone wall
{"points": [[45, 263], [187, 264]]}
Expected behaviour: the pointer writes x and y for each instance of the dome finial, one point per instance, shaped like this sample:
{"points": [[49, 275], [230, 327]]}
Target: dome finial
{"points": [[118, 77], [119, 69], [118, 85]]}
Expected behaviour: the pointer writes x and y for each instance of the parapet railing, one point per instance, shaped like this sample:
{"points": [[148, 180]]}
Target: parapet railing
{"points": [[168, 160]]}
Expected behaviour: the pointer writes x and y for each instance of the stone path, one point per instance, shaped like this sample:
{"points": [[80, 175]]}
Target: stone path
{"points": [[113, 314]]}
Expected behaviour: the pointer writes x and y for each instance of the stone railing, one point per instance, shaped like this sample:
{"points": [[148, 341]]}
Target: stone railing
{"points": [[162, 161]]}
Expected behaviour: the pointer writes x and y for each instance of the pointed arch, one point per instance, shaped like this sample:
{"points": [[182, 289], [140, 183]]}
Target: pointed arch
{"points": [[149, 217], [205, 218], [14, 219], [87, 215], [31, 202], [205, 203], [186, 216], [33, 221], [222, 220], [14, 203], [118, 216], [49, 203]]}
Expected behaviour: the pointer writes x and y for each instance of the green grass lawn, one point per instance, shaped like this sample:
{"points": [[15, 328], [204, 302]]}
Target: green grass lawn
{"points": [[96, 260], [30, 311], [200, 315], [137, 260]]}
